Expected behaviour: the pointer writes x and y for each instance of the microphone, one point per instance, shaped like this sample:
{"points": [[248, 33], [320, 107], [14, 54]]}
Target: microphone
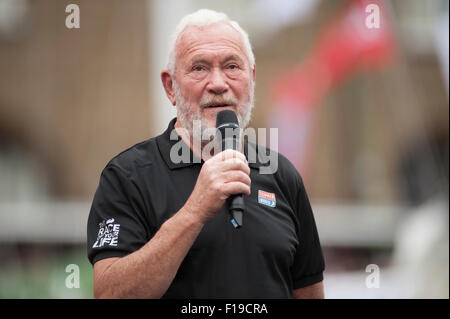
{"points": [[228, 126]]}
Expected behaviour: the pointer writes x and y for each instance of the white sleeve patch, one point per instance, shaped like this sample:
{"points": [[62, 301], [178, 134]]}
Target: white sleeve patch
{"points": [[108, 234]]}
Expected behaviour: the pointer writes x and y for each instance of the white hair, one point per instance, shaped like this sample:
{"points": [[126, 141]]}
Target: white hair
{"points": [[201, 18]]}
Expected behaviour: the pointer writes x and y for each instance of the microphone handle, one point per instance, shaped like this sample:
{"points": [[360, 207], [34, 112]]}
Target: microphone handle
{"points": [[236, 205]]}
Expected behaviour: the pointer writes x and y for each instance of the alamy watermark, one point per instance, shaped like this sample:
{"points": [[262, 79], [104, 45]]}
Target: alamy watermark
{"points": [[73, 279], [73, 19], [209, 140], [373, 17], [373, 280]]}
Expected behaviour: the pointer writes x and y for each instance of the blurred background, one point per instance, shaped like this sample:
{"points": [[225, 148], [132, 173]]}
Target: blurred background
{"points": [[360, 100]]}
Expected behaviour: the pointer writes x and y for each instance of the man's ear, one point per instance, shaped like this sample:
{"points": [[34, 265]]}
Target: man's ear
{"points": [[254, 72], [167, 82]]}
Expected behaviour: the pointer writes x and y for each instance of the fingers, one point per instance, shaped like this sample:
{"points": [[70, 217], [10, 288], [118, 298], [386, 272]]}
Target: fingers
{"points": [[235, 164], [236, 176], [236, 188], [229, 154], [230, 160]]}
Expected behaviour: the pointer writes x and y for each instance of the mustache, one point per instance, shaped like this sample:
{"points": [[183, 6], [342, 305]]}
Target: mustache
{"points": [[217, 100]]}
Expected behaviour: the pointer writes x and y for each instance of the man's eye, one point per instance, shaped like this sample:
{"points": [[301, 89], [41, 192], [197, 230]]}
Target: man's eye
{"points": [[232, 66], [197, 68]]}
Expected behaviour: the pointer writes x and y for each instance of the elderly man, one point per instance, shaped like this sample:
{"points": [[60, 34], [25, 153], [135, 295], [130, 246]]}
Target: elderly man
{"points": [[159, 228]]}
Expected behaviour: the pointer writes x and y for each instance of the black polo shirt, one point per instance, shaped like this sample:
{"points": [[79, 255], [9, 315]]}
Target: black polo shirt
{"points": [[277, 249]]}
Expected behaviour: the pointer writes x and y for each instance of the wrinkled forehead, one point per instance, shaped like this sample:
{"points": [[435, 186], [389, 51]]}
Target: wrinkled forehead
{"points": [[217, 37]]}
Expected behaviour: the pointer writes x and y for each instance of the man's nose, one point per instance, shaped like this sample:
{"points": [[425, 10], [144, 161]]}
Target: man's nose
{"points": [[217, 82]]}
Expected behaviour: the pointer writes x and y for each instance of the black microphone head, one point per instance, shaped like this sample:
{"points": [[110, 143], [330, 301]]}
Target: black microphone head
{"points": [[227, 117], [227, 126]]}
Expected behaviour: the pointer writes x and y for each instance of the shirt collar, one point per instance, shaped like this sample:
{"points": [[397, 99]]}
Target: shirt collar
{"points": [[165, 144]]}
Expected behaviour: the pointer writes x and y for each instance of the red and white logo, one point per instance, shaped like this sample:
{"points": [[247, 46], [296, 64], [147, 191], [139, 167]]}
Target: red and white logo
{"points": [[266, 198]]}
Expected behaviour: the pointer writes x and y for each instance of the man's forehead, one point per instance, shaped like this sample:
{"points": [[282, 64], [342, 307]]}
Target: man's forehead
{"points": [[225, 57], [215, 35]]}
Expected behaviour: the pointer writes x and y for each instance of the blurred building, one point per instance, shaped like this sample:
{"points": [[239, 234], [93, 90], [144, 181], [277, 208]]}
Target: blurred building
{"points": [[73, 98]]}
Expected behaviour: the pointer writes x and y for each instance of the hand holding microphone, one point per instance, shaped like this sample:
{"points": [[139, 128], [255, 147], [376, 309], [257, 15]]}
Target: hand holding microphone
{"points": [[228, 131], [222, 176]]}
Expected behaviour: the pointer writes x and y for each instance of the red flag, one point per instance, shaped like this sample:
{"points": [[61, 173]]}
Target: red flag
{"points": [[347, 45]]}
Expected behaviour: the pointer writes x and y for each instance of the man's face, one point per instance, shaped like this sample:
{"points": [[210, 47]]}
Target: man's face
{"points": [[212, 74]]}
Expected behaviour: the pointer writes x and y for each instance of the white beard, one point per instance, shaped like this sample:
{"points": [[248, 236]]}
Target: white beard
{"points": [[186, 114]]}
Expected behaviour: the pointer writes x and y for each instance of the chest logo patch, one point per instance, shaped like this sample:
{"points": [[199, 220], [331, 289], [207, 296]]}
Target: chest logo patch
{"points": [[266, 198]]}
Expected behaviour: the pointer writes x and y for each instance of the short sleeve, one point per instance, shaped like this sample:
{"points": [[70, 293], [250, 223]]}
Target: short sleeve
{"points": [[116, 224], [309, 262]]}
